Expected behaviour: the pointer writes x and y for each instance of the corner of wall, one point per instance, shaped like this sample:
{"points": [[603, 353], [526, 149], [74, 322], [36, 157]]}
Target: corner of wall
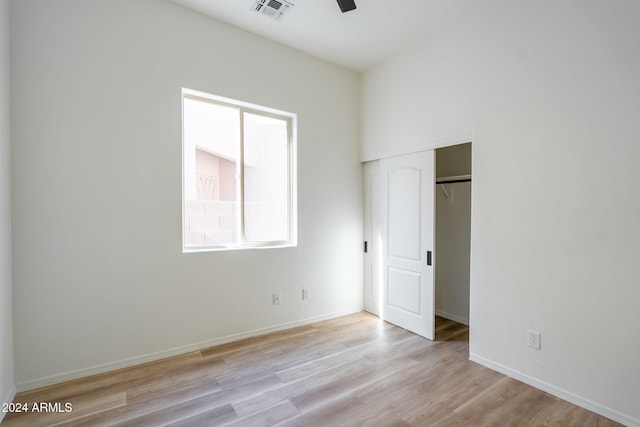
{"points": [[8, 398], [7, 385]]}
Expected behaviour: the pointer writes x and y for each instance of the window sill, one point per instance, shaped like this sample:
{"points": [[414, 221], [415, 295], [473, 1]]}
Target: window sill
{"points": [[189, 250]]}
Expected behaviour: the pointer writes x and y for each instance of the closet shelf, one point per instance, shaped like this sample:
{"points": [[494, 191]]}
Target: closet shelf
{"points": [[452, 179]]}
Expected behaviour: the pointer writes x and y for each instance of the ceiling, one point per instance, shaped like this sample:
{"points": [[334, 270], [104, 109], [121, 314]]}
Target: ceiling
{"points": [[357, 39]]}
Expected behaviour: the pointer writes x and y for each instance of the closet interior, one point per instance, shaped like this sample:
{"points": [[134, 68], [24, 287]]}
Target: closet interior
{"points": [[453, 232]]}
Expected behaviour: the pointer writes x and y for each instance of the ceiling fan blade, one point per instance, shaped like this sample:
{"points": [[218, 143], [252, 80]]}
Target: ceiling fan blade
{"points": [[346, 5]]}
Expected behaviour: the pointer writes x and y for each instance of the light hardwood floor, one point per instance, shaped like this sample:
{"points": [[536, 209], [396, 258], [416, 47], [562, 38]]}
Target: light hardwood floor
{"points": [[351, 371]]}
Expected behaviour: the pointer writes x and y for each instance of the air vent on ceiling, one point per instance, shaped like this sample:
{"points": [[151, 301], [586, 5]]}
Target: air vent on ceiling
{"points": [[274, 9]]}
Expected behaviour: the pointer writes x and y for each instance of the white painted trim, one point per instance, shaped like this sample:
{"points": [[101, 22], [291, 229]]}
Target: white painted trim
{"points": [[8, 398], [176, 351], [428, 145], [556, 391], [453, 317]]}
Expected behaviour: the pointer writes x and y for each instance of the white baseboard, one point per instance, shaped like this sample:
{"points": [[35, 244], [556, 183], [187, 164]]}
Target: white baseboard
{"points": [[453, 317], [176, 351], [558, 392], [8, 398]]}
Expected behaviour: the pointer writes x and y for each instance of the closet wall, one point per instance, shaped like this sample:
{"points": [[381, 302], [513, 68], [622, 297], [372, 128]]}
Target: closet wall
{"points": [[453, 233]]}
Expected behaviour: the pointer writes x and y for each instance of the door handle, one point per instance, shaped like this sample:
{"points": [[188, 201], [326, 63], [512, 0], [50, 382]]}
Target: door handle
{"points": [[428, 257]]}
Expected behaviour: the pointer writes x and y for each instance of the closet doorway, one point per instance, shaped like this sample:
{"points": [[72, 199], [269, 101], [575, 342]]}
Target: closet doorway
{"points": [[453, 232], [448, 252]]}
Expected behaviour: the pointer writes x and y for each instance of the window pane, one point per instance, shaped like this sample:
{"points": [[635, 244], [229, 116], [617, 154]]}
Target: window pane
{"points": [[211, 147], [266, 189]]}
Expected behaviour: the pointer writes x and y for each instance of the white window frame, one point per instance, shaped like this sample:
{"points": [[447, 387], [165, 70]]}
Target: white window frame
{"points": [[245, 107]]}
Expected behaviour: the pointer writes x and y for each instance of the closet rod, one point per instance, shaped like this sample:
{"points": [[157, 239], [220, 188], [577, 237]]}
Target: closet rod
{"points": [[452, 180]]}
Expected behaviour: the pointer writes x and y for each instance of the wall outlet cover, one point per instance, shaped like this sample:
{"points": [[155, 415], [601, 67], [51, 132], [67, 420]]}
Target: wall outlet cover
{"points": [[533, 339], [277, 298]]}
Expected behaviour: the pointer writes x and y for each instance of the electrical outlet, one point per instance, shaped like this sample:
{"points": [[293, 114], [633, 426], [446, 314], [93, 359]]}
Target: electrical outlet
{"points": [[534, 339], [277, 298], [306, 293]]}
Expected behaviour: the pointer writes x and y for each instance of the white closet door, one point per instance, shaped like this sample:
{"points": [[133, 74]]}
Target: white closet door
{"points": [[407, 230], [372, 240]]}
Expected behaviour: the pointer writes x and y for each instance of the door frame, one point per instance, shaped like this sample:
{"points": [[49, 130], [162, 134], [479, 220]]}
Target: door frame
{"points": [[431, 145]]}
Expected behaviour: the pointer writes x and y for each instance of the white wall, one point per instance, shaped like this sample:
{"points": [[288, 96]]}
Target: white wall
{"points": [[7, 388], [550, 91], [454, 160], [99, 276]]}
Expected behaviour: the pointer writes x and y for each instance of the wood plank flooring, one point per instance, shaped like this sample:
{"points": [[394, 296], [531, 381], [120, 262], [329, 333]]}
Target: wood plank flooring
{"points": [[351, 371]]}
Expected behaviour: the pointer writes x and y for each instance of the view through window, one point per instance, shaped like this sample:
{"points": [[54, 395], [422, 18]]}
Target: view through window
{"points": [[239, 174]]}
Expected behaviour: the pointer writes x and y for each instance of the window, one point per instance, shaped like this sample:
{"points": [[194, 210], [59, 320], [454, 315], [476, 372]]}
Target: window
{"points": [[238, 174]]}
